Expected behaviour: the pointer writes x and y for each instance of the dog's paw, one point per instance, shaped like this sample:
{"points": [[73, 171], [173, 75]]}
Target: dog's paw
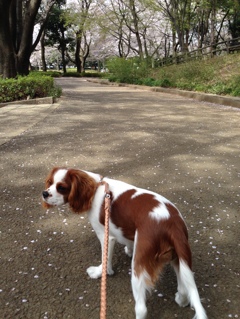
{"points": [[110, 272], [181, 300], [128, 251], [95, 272]]}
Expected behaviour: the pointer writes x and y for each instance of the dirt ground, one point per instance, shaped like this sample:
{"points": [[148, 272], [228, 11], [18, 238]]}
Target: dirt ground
{"points": [[183, 149]]}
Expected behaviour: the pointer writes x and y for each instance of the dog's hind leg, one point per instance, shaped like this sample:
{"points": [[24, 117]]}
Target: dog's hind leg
{"points": [[140, 280]]}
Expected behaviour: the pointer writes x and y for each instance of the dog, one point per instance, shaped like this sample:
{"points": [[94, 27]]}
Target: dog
{"points": [[149, 226]]}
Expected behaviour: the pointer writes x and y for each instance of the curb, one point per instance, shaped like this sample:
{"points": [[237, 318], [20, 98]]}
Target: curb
{"points": [[203, 97], [43, 100]]}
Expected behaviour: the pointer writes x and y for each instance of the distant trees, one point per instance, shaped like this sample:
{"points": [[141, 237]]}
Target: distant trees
{"points": [[134, 26], [96, 29], [195, 24], [160, 28], [69, 31], [234, 19], [79, 18], [55, 34]]}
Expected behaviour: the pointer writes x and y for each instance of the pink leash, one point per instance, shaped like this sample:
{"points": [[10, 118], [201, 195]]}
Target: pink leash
{"points": [[103, 305]]}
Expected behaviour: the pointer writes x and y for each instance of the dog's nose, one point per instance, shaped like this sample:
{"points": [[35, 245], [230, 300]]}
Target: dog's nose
{"points": [[45, 194]]}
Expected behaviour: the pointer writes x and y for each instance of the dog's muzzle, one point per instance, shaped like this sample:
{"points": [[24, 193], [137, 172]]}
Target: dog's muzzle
{"points": [[45, 194]]}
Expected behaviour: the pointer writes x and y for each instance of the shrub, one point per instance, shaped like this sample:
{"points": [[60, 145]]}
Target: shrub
{"points": [[32, 86], [134, 71], [164, 83], [83, 74], [73, 74], [93, 74], [127, 70], [148, 81], [121, 70], [235, 85], [54, 74]]}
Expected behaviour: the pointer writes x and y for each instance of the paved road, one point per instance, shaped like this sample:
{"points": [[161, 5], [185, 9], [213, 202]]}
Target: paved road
{"points": [[186, 150]]}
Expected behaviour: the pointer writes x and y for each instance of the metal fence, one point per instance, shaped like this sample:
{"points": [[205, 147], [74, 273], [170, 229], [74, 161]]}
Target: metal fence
{"points": [[220, 48]]}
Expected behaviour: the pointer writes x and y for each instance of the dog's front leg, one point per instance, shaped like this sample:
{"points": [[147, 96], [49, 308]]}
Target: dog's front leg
{"points": [[96, 272]]}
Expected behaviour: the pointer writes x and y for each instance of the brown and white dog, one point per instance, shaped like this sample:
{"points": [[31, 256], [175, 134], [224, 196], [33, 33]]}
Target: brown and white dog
{"points": [[149, 225]]}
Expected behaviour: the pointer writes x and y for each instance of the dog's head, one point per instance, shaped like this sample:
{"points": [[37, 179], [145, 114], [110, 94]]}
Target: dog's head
{"points": [[64, 185]]}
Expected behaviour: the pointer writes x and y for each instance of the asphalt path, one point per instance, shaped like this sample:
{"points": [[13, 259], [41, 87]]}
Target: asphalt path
{"points": [[186, 150]]}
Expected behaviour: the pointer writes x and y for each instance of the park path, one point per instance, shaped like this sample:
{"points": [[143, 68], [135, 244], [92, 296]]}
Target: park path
{"points": [[184, 149]]}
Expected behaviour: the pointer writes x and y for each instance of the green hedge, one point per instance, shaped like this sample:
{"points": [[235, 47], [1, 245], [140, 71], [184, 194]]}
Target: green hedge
{"points": [[52, 73], [83, 74], [33, 86]]}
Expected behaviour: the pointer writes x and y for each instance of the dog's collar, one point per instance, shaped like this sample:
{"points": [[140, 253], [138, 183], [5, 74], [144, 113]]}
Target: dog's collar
{"points": [[102, 182]]}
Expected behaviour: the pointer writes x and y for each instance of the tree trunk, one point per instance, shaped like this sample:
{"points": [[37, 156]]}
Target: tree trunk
{"points": [[63, 49], [63, 59], [7, 54], [25, 47], [213, 24], [7, 61], [23, 62], [44, 65], [136, 29], [77, 53], [17, 19]]}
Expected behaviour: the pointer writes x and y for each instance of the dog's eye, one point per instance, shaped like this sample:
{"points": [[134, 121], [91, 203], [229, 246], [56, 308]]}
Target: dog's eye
{"points": [[61, 188]]}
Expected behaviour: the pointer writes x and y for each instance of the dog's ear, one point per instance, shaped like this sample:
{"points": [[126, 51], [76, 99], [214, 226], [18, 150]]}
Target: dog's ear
{"points": [[46, 205], [83, 188]]}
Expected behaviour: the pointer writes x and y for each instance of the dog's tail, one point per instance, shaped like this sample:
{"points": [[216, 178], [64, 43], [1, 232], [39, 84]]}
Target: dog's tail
{"points": [[189, 289]]}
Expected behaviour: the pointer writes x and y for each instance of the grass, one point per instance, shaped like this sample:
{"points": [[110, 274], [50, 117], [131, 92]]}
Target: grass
{"points": [[218, 75]]}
